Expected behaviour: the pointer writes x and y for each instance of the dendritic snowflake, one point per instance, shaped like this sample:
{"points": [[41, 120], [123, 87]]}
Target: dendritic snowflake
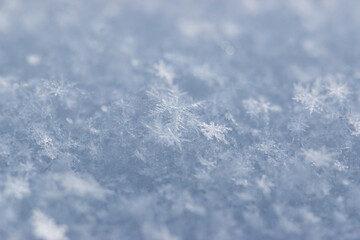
{"points": [[310, 98], [58, 88], [164, 71], [337, 90], [264, 184], [212, 131], [297, 125], [174, 115], [259, 107]]}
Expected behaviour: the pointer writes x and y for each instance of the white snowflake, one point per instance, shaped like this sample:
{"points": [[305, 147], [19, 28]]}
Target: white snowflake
{"points": [[173, 116], [264, 184], [214, 131], [340, 166], [259, 107], [208, 75], [172, 101], [209, 164], [165, 135], [268, 147], [309, 97], [58, 88], [46, 142], [340, 91], [164, 71], [298, 125]]}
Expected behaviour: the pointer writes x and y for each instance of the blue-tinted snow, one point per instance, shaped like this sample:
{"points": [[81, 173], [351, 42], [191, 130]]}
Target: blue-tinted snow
{"points": [[179, 120]]}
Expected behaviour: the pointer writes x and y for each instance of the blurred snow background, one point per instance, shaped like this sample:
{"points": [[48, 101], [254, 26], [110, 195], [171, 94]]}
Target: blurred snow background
{"points": [[178, 120]]}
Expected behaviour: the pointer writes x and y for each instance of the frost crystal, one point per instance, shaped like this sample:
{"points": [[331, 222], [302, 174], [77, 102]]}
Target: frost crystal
{"points": [[164, 71], [264, 184], [298, 125], [340, 91], [58, 88], [212, 131], [310, 98], [259, 107], [174, 115]]}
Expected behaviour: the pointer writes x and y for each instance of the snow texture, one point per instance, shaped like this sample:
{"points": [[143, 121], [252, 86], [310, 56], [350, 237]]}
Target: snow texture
{"points": [[179, 120]]}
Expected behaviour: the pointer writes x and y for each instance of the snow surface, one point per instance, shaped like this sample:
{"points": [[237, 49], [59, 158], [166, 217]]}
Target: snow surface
{"points": [[179, 120]]}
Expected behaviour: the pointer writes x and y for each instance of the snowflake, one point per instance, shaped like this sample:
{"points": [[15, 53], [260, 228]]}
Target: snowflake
{"points": [[207, 74], [257, 107], [297, 125], [310, 98], [46, 141], [26, 167], [264, 184], [211, 130], [338, 90], [341, 167], [43, 139], [165, 134], [173, 116], [207, 163], [164, 71], [173, 101], [267, 147], [58, 88]]}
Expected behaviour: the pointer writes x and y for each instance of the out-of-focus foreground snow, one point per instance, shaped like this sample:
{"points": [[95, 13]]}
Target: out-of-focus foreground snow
{"points": [[179, 120]]}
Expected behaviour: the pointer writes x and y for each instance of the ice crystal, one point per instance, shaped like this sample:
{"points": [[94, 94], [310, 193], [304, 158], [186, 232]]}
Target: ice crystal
{"points": [[212, 131], [309, 97], [298, 125], [264, 184], [164, 71], [340, 91], [173, 117], [259, 107]]}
